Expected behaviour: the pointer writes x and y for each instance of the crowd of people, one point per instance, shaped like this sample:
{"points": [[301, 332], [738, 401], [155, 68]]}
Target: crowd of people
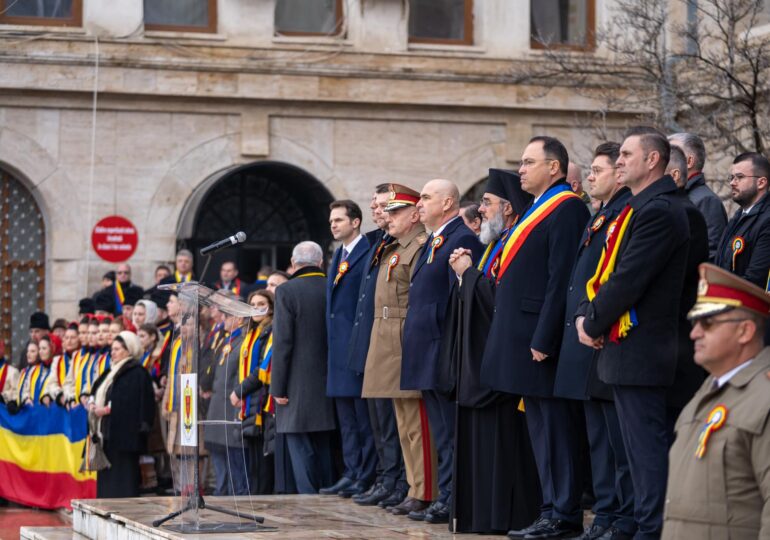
{"points": [[489, 366]]}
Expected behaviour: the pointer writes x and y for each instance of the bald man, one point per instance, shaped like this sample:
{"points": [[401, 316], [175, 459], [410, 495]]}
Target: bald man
{"points": [[432, 280]]}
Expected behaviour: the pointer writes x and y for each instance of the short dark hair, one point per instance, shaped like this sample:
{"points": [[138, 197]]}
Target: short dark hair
{"points": [[352, 210], [651, 140], [691, 144], [162, 267], [471, 212], [678, 160], [281, 273], [554, 149], [609, 149], [382, 188], [759, 163], [229, 261]]}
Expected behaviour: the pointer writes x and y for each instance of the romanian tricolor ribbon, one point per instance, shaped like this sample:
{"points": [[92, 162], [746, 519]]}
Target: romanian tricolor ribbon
{"points": [[595, 226], [81, 365], [490, 261], [392, 262], [182, 278], [64, 365], [434, 245], [341, 271], [615, 233], [236, 286], [548, 202], [246, 366], [715, 420], [120, 297], [378, 252], [173, 369], [102, 363], [37, 375], [151, 363], [738, 245], [3, 372]]}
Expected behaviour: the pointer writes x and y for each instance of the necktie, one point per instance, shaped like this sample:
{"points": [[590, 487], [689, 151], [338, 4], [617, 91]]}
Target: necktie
{"points": [[344, 254]]}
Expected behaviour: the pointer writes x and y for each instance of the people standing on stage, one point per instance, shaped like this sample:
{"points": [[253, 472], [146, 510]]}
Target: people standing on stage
{"points": [[342, 383], [298, 382], [495, 486], [390, 487], [694, 185], [145, 312], [576, 377], [33, 379], [161, 273], [225, 442], [745, 245], [183, 264], [131, 292], [277, 277], [631, 314], [382, 373], [719, 479], [39, 326], [431, 280], [120, 416], [521, 355], [252, 394], [51, 355]]}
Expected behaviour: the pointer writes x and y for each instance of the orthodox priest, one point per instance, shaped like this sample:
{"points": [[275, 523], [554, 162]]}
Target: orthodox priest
{"points": [[495, 482]]}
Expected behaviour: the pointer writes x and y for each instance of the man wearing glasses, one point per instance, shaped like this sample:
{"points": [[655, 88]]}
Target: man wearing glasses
{"points": [[719, 482], [745, 246]]}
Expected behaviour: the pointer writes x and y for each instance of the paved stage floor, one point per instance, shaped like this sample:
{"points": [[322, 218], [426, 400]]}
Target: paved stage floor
{"points": [[296, 516]]}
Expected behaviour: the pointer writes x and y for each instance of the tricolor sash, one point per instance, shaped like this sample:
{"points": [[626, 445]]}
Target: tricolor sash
{"points": [[247, 364], [615, 233], [182, 278], [81, 365], [37, 376], [64, 366], [537, 213], [173, 368], [3, 373], [120, 297], [490, 261]]}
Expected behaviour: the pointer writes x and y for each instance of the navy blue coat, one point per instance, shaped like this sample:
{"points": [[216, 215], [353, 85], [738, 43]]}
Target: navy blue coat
{"points": [[361, 334], [753, 263], [341, 300], [649, 277], [530, 304], [428, 299], [576, 371]]}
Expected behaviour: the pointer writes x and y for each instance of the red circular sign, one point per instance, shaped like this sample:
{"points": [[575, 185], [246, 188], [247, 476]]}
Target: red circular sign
{"points": [[114, 239]]}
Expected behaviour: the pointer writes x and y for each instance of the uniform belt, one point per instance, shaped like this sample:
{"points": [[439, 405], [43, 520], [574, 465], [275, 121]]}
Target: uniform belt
{"points": [[390, 313]]}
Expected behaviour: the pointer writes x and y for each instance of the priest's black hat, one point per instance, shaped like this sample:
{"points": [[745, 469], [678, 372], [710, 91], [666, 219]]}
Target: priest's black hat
{"points": [[86, 305], [105, 301], [507, 184], [132, 295]]}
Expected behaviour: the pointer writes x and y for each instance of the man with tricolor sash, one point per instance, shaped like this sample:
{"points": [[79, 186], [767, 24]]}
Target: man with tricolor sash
{"points": [[431, 281], [495, 486], [342, 383], [390, 486], [382, 374], [521, 354], [631, 314], [719, 474], [576, 373]]}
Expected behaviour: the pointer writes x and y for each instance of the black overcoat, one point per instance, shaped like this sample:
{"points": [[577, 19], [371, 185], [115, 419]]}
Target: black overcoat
{"points": [[753, 263]]}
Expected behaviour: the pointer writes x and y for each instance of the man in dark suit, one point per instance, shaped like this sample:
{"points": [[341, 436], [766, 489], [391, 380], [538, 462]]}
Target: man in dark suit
{"points": [[298, 381], [694, 185], [576, 373], [342, 383], [521, 353], [431, 281], [228, 279], [745, 246], [631, 314], [391, 487]]}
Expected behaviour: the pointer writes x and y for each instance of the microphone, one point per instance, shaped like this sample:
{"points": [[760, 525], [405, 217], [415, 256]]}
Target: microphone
{"points": [[237, 238]]}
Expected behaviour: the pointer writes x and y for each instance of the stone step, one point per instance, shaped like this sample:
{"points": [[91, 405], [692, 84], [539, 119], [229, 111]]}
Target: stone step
{"points": [[48, 533]]}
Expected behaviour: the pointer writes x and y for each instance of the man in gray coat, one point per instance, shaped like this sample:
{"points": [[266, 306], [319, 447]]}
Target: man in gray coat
{"points": [[704, 199], [298, 381]]}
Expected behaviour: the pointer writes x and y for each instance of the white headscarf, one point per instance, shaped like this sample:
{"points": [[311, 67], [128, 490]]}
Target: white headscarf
{"points": [[151, 309]]}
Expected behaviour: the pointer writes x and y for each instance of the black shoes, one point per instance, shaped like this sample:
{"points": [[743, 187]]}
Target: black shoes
{"points": [[548, 528], [593, 532], [379, 494], [367, 492], [613, 533], [438, 512], [357, 488], [396, 497], [408, 506], [341, 484]]}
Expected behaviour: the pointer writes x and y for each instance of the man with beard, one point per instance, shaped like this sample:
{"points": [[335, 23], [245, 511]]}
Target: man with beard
{"points": [[745, 246], [494, 484]]}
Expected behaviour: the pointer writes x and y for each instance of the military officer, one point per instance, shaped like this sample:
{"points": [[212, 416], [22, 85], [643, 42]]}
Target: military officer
{"points": [[719, 480], [382, 374]]}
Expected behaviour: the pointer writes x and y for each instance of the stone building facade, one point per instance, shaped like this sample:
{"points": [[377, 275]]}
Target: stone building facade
{"points": [[253, 115]]}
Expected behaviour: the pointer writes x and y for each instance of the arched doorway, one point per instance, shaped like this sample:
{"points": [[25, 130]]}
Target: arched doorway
{"points": [[276, 204], [22, 262]]}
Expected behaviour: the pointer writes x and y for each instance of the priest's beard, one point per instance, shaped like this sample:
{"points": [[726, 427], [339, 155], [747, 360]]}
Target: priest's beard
{"points": [[492, 228]]}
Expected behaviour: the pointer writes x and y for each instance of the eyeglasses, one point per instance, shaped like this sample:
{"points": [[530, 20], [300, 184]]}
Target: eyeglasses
{"points": [[596, 171], [738, 177], [709, 322], [530, 162], [487, 203], [120, 272]]}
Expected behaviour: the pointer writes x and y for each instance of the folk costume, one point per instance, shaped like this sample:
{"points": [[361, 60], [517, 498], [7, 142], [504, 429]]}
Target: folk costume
{"points": [[495, 486]]}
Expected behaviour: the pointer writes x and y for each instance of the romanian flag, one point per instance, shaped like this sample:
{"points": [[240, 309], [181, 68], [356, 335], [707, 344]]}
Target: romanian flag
{"points": [[41, 451], [120, 297]]}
